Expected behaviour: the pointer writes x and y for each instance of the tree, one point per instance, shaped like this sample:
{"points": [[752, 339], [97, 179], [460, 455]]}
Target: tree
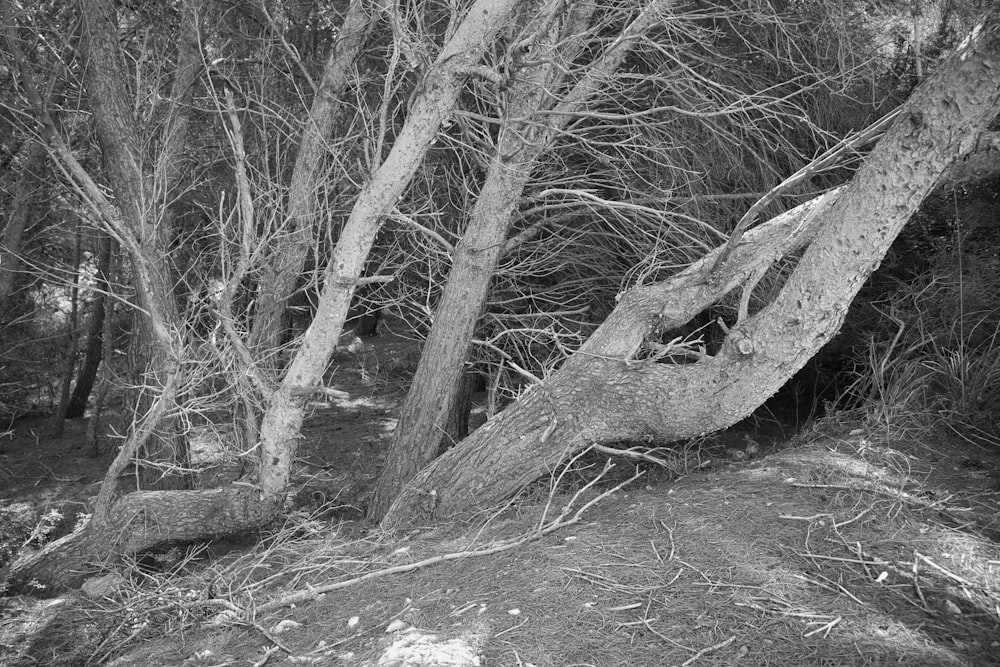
{"points": [[624, 384], [592, 177], [139, 520], [278, 276], [534, 118], [143, 196]]}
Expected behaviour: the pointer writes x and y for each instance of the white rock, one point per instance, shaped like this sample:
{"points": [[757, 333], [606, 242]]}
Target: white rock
{"points": [[416, 649]]}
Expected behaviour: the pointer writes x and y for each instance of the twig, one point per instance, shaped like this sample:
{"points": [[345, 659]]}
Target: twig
{"points": [[825, 628], [631, 453], [945, 572], [707, 650]]}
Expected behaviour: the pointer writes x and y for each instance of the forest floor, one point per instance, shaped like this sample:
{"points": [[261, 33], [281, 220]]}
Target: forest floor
{"points": [[839, 545]]}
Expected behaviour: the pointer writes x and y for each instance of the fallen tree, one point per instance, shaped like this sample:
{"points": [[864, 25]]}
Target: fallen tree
{"points": [[623, 383]]}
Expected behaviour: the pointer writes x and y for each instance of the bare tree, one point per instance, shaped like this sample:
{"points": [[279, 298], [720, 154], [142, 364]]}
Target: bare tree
{"points": [[548, 45], [137, 520], [624, 384], [293, 241], [592, 182]]}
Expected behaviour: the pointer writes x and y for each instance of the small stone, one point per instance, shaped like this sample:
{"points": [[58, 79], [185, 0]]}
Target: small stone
{"points": [[285, 626], [396, 626]]}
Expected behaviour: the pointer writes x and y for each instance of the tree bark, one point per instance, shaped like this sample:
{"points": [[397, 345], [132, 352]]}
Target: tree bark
{"points": [[143, 196], [526, 132], [607, 391], [220, 511], [95, 340], [137, 521], [439, 90], [277, 279]]}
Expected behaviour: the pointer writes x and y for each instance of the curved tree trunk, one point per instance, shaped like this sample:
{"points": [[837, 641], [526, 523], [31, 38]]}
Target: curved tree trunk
{"points": [[528, 128], [607, 391], [138, 521]]}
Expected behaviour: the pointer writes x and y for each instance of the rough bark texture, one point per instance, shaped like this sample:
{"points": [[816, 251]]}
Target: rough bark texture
{"points": [[528, 129], [138, 521], [277, 279], [142, 197], [605, 393]]}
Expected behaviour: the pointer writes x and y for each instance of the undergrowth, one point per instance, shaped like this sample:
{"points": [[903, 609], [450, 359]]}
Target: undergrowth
{"points": [[932, 361]]}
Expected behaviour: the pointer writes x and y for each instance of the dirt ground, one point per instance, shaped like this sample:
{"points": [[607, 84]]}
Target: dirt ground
{"points": [[839, 545]]}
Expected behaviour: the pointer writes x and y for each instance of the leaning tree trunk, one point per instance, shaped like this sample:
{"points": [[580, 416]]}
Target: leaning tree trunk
{"points": [[528, 129], [608, 391], [440, 89], [291, 246]]}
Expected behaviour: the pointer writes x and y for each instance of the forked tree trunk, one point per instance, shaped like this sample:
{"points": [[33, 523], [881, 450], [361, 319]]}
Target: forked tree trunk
{"points": [[528, 129], [441, 85], [143, 196], [607, 391]]}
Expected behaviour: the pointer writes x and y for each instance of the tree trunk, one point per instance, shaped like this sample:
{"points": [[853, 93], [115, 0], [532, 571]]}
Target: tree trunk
{"points": [[25, 196], [525, 133], [291, 246], [72, 343], [105, 372], [607, 391], [95, 341], [138, 521], [441, 86], [143, 197]]}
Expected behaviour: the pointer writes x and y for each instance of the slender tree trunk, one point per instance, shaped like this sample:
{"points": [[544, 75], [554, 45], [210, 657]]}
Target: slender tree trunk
{"points": [[610, 391], [105, 372], [95, 339], [525, 133], [439, 91], [277, 279]]}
